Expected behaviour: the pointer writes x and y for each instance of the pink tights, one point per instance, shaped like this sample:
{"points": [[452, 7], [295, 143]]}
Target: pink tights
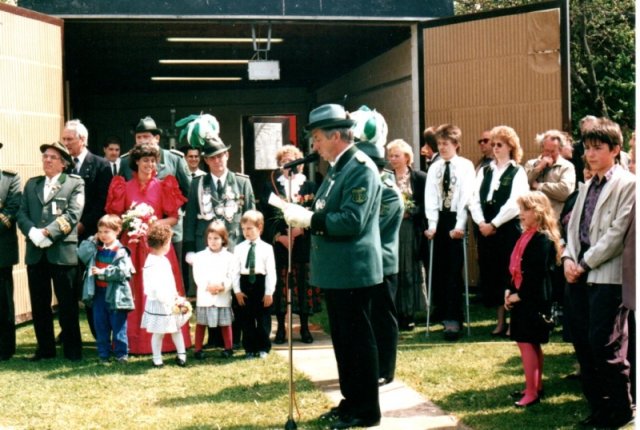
{"points": [[532, 362]]}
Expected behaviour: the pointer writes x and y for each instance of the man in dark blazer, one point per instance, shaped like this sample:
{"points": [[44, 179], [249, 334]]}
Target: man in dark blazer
{"points": [[346, 260], [49, 213], [10, 196], [94, 170], [96, 173]]}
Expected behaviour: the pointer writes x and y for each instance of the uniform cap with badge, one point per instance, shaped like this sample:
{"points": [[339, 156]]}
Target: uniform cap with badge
{"points": [[58, 146], [370, 133]]}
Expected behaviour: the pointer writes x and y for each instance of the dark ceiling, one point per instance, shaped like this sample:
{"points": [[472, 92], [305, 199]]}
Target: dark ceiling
{"points": [[121, 56]]}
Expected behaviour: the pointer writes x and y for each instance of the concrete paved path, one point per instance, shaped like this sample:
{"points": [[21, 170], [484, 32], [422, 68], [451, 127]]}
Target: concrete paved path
{"points": [[402, 407]]}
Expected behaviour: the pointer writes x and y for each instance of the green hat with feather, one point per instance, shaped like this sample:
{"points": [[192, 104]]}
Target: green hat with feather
{"points": [[197, 129]]}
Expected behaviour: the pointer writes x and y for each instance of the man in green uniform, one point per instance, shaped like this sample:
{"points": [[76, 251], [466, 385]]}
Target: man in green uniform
{"points": [[346, 260], [10, 196], [49, 213]]}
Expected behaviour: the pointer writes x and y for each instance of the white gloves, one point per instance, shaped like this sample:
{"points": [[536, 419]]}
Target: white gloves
{"points": [[297, 216], [37, 237], [46, 243], [188, 258]]}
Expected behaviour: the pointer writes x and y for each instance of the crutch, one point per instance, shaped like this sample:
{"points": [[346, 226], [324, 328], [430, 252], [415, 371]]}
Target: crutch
{"points": [[429, 284], [466, 282]]}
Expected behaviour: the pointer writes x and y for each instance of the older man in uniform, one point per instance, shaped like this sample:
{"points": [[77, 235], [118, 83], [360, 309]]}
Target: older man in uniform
{"points": [[346, 260], [49, 214], [10, 196]]}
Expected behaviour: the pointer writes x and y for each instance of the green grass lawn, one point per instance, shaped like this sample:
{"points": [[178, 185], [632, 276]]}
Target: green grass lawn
{"points": [[470, 379]]}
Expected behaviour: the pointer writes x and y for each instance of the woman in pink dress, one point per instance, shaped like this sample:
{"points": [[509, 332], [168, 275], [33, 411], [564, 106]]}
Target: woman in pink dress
{"points": [[165, 198]]}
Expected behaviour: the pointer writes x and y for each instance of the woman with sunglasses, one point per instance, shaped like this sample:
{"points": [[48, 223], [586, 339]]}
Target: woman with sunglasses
{"points": [[494, 209]]}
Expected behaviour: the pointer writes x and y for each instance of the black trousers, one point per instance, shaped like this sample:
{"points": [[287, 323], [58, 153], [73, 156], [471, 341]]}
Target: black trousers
{"points": [[354, 345], [40, 276], [254, 318], [448, 259], [599, 330], [384, 320], [7, 314]]}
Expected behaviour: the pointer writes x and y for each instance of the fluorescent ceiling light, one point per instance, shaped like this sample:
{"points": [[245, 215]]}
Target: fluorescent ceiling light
{"points": [[223, 39], [203, 61], [195, 78]]}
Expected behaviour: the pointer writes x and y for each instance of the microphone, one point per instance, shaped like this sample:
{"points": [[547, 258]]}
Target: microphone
{"points": [[311, 158]]}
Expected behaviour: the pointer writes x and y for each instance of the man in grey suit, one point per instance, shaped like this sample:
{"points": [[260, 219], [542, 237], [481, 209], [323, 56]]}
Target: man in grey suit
{"points": [[10, 196], [49, 213], [346, 260]]}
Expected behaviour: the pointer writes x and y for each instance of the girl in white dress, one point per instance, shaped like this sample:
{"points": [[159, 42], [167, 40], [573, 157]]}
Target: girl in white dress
{"points": [[164, 311], [213, 273]]}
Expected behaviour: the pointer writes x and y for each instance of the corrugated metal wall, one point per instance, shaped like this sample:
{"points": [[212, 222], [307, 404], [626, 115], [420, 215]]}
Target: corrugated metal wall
{"points": [[31, 104], [496, 71]]}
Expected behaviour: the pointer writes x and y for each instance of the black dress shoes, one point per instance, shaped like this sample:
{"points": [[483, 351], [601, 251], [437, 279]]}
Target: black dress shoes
{"points": [[180, 362], [517, 395], [348, 422], [384, 381], [280, 338], [305, 336]]}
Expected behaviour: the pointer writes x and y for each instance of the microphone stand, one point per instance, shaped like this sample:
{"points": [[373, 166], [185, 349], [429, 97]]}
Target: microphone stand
{"points": [[291, 424]]}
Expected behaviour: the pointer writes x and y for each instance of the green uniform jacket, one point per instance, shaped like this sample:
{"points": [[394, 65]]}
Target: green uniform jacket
{"points": [[204, 207], [59, 214], [10, 196], [345, 241], [391, 212]]}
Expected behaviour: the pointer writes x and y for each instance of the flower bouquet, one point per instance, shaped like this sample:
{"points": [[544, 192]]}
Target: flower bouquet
{"points": [[410, 206], [137, 220], [182, 310]]}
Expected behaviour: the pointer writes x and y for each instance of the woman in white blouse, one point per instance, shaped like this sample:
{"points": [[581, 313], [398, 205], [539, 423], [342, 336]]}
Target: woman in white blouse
{"points": [[494, 209]]}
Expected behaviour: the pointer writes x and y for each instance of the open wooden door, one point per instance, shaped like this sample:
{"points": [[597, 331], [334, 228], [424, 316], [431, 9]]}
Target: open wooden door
{"points": [[31, 104], [507, 67]]}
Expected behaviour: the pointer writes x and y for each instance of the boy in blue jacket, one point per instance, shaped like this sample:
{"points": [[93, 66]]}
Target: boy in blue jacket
{"points": [[106, 287]]}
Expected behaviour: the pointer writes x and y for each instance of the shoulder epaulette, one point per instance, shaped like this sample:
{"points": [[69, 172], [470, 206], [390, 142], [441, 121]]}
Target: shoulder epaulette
{"points": [[242, 175], [361, 157], [388, 181], [176, 152], [73, 175], [9, 172]]}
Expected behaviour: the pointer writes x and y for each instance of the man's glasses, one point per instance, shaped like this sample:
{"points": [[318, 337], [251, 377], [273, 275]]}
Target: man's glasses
{"points": [[483, 141]]}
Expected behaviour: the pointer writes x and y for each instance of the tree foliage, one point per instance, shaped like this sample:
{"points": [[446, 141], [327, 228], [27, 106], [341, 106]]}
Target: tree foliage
{"points": [[602, 49]]}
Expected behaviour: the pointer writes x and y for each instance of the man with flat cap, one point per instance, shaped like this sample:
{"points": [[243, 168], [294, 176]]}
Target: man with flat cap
{"points": [[346, 261], [48, 217], [221, 195], [10, 196]]}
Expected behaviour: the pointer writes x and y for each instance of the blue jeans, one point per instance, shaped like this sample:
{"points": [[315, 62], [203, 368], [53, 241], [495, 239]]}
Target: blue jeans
{"points": [[106, 322]]}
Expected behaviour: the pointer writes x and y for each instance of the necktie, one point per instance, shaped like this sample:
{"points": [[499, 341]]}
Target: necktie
{"points": [[114, 170], [219, 189], [48, 189], [446, 182], [76, 168], [251, 262]]}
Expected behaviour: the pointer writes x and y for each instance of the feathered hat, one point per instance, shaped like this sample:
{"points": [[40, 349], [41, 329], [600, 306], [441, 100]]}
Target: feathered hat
{"points": [[370, 133], [196, 129]]}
